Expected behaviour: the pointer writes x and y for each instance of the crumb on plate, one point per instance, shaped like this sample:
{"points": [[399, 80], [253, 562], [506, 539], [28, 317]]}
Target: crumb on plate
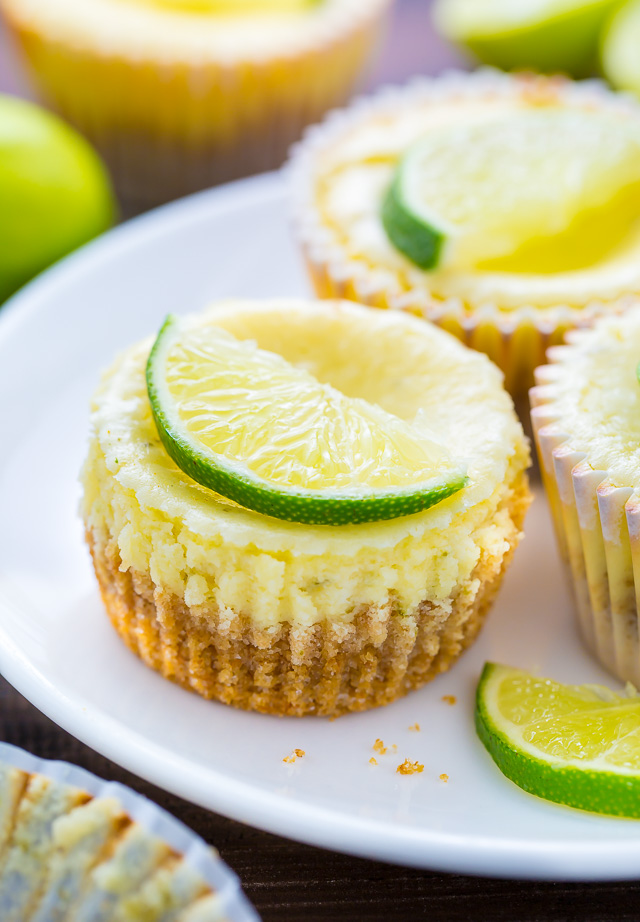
{"points": [[296, 754], [449, 699], [379, 747], [444, 777], [410, 768], [415, 728]]}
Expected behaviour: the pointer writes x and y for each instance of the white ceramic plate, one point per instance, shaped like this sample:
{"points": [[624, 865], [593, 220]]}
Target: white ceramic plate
{"points": [[58, 649]]}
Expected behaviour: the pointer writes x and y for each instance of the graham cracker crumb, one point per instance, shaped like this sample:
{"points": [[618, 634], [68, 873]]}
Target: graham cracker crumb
{"points": [[394, 748], [415, 728], [409, 768], [296, 754], [373, 761], [449, 699], [444, 777], [379, 747]]}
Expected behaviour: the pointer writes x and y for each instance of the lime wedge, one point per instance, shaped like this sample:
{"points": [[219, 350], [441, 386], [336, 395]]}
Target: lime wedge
{"points": [[620, 44], [539, 190], [545, 35], [246, 423], [573, 744]]}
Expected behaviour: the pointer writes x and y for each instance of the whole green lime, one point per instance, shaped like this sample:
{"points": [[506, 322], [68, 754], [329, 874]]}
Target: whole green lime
{"points": [[545, 35], [55, 194]]}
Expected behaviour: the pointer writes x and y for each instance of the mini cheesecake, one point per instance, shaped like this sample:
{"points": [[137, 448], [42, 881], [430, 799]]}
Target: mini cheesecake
{"points": [[341, 174], [180, 94], [289, 618]]}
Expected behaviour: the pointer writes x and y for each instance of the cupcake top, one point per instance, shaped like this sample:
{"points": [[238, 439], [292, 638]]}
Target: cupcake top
{"points": [[344, 169], [592, 393], [194, 31], [420, 374], [412, 370], [75, 847]]}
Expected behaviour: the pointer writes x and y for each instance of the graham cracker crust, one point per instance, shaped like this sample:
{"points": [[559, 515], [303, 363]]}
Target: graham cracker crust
{"points": [[326, 669]]}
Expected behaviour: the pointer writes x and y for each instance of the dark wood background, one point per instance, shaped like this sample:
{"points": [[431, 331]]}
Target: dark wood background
{"points": [[286, 881]]}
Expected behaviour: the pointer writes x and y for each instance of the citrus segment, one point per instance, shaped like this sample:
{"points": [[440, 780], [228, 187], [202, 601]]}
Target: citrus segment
{"points": [[266, 434], [573, 744], [540, 190]]}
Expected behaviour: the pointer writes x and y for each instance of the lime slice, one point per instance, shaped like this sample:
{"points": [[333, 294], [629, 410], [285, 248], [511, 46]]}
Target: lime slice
{"points": [[54, 192], [620, 44], [545, 35], [573, 744], [244, 422], [539, 190]]}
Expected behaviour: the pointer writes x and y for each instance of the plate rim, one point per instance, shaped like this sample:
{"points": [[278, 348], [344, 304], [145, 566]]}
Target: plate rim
{"points": [[605, 858]]}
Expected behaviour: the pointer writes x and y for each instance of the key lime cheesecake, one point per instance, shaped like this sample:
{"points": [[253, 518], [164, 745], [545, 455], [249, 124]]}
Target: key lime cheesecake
{"points": [[75, 847], [586, 418], [504, 208], [348, 491], [181, 94]]}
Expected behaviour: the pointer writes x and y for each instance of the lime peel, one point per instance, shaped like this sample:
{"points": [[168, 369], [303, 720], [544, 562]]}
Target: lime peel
{"points": [[409, 233], [233, 477], [590, 780]]}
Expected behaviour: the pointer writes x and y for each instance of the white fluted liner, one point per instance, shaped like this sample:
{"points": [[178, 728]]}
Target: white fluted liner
{"points": [[115, 844], [598, 529]]}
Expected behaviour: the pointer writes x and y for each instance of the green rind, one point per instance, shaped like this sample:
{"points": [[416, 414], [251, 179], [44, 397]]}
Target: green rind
{"points": [[585, 789], [410, 234], [294, 505]]}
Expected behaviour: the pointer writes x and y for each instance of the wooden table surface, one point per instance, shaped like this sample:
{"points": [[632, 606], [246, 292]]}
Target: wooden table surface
{"points": [[288, 882]]}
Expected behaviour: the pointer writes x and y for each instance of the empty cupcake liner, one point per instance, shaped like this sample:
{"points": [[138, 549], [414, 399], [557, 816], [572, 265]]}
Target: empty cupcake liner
{"points": [[76, 848]]}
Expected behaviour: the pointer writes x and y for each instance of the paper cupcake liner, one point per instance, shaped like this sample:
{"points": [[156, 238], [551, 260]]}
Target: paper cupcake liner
{"points": [[325, 669], [118, 842], [167, 129], [515, 339], [598, 530]]}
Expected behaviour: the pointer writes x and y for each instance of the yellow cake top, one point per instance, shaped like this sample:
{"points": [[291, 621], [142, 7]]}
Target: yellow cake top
{"points": [[594, 395], [346, 167], [195, 31], [421, 374], [215, 553]]}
